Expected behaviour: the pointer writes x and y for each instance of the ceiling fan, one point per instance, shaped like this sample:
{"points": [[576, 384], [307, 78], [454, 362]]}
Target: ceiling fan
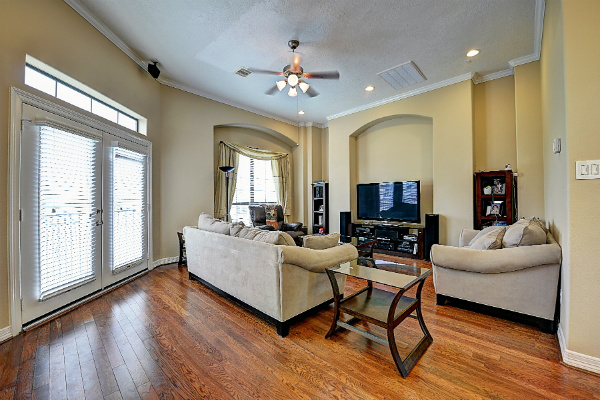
{"points": [[295, 75]]}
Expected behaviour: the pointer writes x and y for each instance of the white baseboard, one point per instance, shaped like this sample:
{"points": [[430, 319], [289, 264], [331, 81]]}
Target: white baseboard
{"points": [[5, 334], [576, 359], [164, 261]]}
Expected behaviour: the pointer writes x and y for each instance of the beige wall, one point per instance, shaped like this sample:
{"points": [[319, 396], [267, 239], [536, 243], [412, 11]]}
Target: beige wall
{"points": [[52, 32], [556, 165], [450, 110], [188, 158], [582, 98], [530, 143], [494, 124], [183, 164], [396, 150]]}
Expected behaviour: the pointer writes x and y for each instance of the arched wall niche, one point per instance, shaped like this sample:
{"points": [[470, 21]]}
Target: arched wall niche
{"points": [[393, 148], [255, 136]]}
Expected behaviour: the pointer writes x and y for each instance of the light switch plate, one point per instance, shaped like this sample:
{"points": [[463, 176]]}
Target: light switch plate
{"points": [[589, 169]]}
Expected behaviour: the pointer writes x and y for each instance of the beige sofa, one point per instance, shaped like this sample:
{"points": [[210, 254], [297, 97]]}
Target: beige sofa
{"points": [[280, 283], [521, 281]]}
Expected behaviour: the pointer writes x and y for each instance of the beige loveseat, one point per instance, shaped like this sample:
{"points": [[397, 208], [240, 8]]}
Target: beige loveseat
{"points": [[521, 279], [280, 283]]}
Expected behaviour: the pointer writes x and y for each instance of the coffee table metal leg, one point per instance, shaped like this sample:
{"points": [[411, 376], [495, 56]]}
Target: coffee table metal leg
{"points": [[406, 365], [336, 303]]}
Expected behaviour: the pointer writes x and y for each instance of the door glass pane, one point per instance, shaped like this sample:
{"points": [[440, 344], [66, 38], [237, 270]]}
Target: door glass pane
{"points": [[67, 209], [128, 208]]}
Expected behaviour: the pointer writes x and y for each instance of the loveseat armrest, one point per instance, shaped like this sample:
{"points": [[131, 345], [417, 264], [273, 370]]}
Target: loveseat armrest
{"points": [[318, 260], [466, 235], [495, 261]]}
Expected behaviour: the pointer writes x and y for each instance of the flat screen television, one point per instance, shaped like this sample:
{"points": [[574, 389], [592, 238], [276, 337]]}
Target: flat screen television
{"points": [[389, 201]]}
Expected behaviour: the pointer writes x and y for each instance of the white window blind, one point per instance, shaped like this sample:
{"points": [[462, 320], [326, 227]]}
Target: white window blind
{"points": [[254, 185], [68, 188], [128, 208]]}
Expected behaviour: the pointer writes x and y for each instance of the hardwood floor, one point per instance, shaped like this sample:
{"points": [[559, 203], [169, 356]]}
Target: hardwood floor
{"points": [[164, 336]]}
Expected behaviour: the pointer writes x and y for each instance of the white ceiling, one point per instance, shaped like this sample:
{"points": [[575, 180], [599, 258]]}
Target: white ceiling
{"points": [[201, 43]]}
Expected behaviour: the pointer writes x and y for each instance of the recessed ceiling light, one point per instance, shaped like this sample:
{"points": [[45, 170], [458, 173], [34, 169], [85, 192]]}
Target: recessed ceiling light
{"points": [[472, 53], [301, 112], [369, 88]]}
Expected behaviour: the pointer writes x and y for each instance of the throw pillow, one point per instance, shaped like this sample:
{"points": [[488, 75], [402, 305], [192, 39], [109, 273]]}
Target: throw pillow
{"points": [[491, 240], [484, 232], [320, 242], [236, 227], [524, 233], [261, 235], [270, 211], [207, 222], [538, 222]]}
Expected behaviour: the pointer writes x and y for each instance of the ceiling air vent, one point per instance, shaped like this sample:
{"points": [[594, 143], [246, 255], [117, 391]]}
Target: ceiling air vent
{"points": [[403, 75], [243, 72]]}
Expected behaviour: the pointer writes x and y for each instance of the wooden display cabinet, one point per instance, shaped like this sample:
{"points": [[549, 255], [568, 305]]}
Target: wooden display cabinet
{"points": [[494, 198], [320, 207]]}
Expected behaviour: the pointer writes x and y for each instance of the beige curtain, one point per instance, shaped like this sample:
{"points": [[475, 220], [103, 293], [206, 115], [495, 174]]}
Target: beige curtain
{"points": [[280, 165], [227, 156]]}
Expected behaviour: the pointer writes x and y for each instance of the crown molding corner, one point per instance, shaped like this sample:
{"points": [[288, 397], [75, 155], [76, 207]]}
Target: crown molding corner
{"points": [[538, 32], [477, 79], [421, 90]]}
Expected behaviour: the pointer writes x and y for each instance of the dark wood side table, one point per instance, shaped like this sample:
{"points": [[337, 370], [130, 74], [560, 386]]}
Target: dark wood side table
{"points": [[182, 254], [381, 307]]}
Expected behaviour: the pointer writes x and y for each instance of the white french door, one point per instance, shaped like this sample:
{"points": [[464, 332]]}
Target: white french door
{"points": [[84, 216]]}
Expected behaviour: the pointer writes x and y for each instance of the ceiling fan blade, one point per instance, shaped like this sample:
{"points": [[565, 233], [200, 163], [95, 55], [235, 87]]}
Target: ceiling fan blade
{"points": [[264, 71], [322, 75], [272, 91], [312, 92]]}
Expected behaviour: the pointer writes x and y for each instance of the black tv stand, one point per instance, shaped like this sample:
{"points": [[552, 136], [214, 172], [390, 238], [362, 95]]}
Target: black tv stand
{"points": [[410, 240]]}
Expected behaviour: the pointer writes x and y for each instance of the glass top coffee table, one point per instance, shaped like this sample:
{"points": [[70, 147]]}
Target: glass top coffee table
{"points": [[381, 307]]}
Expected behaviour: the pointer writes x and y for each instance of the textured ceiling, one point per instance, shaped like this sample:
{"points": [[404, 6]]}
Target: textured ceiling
{"points": [[200, 44]]}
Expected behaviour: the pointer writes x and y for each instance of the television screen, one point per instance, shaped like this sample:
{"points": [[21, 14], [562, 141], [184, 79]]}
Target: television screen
{"points": [[393, 201]]}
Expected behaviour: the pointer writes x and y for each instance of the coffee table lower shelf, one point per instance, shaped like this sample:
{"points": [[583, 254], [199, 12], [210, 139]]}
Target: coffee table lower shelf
{"points": [[383, 308]]}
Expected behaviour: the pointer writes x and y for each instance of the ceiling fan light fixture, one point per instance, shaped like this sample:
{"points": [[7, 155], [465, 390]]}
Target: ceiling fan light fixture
{"points": [[293, 80], [472, 53], [304, 86], [281, 84], [292, 92]]}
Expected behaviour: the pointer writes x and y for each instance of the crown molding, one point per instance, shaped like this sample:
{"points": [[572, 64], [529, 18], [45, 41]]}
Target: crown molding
{"points": [[538, 31], [477, 79], [110, 35], [421, 90], [185, 88]]}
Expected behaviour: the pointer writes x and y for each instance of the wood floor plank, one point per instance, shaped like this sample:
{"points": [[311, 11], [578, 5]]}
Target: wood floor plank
{"points": [[163, 336]]}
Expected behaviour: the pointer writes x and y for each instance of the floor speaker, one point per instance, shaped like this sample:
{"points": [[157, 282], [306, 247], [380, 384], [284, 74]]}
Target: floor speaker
{"points": [[346, 223], [431, 235]]}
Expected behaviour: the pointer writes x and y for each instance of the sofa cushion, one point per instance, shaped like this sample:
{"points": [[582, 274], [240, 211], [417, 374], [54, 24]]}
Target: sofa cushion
{"points": [[260, 235], [320, 242], [538, 222], [524, 232], [207, 222], [490, 240], [484, 232]]}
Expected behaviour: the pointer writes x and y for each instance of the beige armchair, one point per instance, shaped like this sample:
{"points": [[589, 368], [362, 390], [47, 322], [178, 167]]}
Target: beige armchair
{"points": [[518, 283]]}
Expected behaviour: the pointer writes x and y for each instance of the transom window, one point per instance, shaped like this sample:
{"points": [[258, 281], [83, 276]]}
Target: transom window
{"points": [[43, 77], [254, 185]]}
